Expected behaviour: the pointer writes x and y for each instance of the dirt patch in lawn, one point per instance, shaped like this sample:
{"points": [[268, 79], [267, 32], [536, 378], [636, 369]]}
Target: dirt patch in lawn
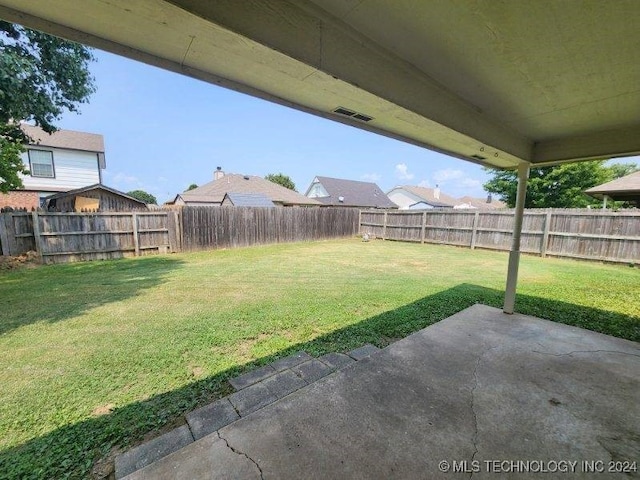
{"points": [[29, 259]]}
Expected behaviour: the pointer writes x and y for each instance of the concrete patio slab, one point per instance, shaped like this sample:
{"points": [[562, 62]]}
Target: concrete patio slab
{"points": [[336, 361], [290, 361], [149, 452], [211, 459], [283, 383], [212, 417], [312, 371], [476, 394], [251, 399], [363, 352], [252, 377]]}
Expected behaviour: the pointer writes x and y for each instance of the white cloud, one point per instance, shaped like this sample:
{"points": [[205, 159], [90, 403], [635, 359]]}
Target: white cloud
{"points": [[457, 183], [123, 178], [402, 172], [470, 182], [371, 177], [424, 184], [442, 176]]}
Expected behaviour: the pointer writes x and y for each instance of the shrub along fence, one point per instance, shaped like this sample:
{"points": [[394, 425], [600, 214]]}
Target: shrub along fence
{"points": [[585, 234], [63, 237]]}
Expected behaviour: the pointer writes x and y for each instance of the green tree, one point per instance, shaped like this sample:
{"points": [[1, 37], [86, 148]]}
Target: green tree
{"points": [[281, 179], [191, 187], [41, 77], [561, 186], [143, 196]]}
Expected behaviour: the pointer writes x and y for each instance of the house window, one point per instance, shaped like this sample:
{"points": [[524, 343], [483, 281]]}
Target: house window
{"points": [[43, 199], [41, 163]]}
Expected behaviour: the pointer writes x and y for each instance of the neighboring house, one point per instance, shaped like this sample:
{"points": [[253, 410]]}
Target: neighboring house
{"points": [[213, 193], [247, 200], [480, 203], [410, 197], [93, 198], [623, 189], [59, 162], [416, 198], [348, 193]]}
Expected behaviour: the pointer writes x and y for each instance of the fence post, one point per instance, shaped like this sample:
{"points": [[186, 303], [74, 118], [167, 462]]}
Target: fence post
{"points": [[545, 234], [474, 230], [359, 222], [4, 233], [384, 227], [424, 226], [136, 240], [36, 234], [176, 220]]}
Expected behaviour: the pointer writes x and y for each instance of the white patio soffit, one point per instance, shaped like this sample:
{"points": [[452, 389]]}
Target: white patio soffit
{"points": [[494, 82]]}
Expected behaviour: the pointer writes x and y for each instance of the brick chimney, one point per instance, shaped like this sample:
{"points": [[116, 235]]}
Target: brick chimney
{"points": [[218, 174]]}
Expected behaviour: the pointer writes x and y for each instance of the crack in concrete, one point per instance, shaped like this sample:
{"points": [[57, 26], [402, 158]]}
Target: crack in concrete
{"points": [[238, 452], [473, 404], [585, 351], [235, 409]]}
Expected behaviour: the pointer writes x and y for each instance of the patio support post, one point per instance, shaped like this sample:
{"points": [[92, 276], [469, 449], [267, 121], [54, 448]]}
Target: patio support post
{"points": [[514, 254]]}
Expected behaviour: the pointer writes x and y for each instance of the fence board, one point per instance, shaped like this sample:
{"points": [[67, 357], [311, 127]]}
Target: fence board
{"points": [[63, 237], [230, 227], [591, 234]]}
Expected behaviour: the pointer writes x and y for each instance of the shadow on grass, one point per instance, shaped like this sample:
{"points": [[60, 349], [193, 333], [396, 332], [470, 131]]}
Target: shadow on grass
{"points": [[59, 292], [70, 452]]}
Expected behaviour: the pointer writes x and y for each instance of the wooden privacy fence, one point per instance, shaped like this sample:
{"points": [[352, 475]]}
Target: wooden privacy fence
{"points": [[585, 234], [224, 227], [63, 237]]}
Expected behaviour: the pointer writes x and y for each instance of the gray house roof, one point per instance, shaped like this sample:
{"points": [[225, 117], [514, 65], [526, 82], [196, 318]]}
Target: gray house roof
{"points": [[96, 186], [431, 196], [69, 139], [489, 203], [352, 193], [625, 188], [248, 200], [214, 191]]}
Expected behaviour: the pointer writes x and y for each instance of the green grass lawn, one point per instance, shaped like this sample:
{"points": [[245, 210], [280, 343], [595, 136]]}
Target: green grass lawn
{"points": [[94, 356]]}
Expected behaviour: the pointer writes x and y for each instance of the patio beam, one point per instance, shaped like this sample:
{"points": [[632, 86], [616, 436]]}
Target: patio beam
{"points": [[514, 254]]}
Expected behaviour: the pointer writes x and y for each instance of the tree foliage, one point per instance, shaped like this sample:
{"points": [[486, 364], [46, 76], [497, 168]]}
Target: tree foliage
{"points": [[191, 187], [281, 179], [561, 186], [41, 77], [143, 196]]}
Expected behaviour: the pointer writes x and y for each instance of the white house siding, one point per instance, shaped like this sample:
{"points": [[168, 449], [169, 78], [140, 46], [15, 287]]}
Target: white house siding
{"points": [[403, 198], [72, 169], [317, 190], [181, 201], [419, 206]]}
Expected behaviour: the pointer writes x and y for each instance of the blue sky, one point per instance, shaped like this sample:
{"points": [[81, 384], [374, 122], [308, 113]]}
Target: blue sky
{"points": [[165, 131]]}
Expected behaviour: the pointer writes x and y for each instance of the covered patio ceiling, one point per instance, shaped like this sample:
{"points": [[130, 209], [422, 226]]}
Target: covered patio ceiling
{"points": [[500, 83]]}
